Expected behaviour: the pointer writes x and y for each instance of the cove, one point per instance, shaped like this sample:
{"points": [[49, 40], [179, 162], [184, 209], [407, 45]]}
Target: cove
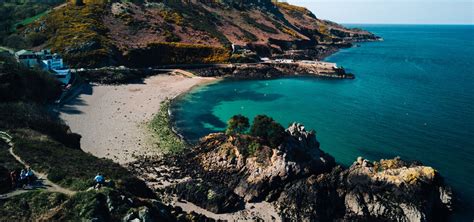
{"points": [[413, 97]]}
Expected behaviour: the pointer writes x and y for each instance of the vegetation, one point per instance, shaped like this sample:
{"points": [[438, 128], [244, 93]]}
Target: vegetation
{"points": [[17, 15], [79, 34], [267, 129], [30, 205], [238, 124], [20, 83], [164, 136], [163, 53], [68, 167], [294, 8], [264, 132]]}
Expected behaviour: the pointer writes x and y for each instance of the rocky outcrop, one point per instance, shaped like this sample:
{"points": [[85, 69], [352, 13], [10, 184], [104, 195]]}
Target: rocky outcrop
{"points": [[385, 190], [303, 183], [273, 70]]}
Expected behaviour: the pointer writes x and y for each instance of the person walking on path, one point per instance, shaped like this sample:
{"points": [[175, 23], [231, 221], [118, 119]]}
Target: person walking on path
{"points": [[14, 179], [99, 181], [22, 178]]}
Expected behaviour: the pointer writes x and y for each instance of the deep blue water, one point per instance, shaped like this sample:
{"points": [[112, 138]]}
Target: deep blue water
{"points": [[413, 97]]}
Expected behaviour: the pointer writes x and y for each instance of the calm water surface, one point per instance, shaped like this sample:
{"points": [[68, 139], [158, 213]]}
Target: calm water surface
{"points": [[413, 97]]}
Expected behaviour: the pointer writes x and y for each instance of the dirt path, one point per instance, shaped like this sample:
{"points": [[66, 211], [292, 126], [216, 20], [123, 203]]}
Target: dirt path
{"points": [[42, 178]]}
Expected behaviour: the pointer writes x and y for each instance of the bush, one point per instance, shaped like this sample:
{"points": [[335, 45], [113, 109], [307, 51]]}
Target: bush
{"points": [[36, 117], [18, 83], [267, 129], [163, 53], [237, 124], [36, 39]]}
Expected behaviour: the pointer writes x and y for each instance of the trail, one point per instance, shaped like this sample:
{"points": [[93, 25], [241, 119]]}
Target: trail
{"points": [[42, 178]]}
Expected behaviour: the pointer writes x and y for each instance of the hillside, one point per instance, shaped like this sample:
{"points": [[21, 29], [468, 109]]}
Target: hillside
{"points": [[93, 34]]}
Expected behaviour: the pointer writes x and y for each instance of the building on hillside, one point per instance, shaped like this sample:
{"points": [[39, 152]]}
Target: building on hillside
{"points": [[27, 58], [44, 59]]}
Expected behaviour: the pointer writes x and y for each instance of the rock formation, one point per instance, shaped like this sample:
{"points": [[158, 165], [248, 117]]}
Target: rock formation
{"points": [[301, 181], [385, 190]]}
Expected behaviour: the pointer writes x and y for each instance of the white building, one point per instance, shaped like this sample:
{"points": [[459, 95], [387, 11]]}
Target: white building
{"points": [[27, 58], [53, 63]]}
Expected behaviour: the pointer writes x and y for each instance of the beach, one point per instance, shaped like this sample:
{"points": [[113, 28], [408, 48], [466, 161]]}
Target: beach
{"points": [[112, 119]]}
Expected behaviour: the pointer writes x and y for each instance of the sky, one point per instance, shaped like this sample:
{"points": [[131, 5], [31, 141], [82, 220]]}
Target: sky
{"points": [[392, 11]]}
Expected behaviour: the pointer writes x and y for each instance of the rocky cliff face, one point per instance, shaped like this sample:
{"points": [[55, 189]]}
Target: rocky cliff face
{"points": [[386, 190], [223, 173], [106, 33]]}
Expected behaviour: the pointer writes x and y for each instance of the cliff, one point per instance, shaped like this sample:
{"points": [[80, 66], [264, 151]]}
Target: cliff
{"points": [[226, 173], [97, 34]]}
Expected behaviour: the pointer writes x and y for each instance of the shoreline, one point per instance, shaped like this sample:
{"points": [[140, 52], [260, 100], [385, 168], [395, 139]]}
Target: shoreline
{"points": [[111, 118]]}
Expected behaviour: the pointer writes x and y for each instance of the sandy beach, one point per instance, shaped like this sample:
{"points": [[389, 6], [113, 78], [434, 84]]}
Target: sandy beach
{"points": [[112, 118]]}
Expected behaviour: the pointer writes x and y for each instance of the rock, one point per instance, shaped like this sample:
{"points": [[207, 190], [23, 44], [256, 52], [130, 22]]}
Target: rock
{"points": [[386, 190], [130, 216], [145, 215], [302, 181]]}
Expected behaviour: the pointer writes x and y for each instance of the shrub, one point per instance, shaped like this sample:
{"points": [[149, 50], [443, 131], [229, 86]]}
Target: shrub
{"points": [[36, 117], [253, 147], [162, 53], [36, 39], [18, 83], [237, 125], [267, 129]]}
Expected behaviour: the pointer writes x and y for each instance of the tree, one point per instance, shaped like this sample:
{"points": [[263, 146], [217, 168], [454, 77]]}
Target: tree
{"points": [[267, 129], [237, 124]]}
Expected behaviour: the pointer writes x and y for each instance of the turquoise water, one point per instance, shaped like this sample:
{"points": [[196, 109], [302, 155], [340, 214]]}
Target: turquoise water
{"points": [[413, 97]]}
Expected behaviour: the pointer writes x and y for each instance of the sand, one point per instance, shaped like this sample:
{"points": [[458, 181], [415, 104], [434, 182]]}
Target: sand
{"points": [[112, 119]]}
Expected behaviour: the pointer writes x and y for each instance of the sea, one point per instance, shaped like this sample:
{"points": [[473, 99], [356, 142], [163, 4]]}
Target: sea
{"points": [[413, 97]]}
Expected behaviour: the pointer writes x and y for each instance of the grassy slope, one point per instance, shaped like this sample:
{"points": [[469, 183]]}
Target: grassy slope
{"points": [[69, 167], [32, 19]]}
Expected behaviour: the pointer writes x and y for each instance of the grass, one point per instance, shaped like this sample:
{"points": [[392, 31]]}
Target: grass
{"points": [[165, 138], [30, 205], [46, 206], [6, 159], [72, 168], [32, 19]]}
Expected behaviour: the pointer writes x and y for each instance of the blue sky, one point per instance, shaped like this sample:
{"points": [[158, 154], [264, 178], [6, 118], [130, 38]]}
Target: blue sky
{"points": [[392, 11]]}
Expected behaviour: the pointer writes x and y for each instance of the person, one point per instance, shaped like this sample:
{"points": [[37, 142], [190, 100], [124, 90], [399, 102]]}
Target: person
{"points": [[30, 176], [99, 180], [14, 178], [22, 177]]}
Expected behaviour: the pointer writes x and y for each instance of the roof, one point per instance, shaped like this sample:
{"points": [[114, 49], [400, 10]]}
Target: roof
{"points": [[24, 52]]}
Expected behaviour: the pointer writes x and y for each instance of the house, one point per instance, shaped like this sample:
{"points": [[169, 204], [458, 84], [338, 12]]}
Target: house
{"points": [[27, 58], [44, 59]]}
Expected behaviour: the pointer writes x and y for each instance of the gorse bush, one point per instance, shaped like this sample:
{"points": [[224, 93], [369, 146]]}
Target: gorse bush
{"points": [[163, 53], [79, 34]]}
